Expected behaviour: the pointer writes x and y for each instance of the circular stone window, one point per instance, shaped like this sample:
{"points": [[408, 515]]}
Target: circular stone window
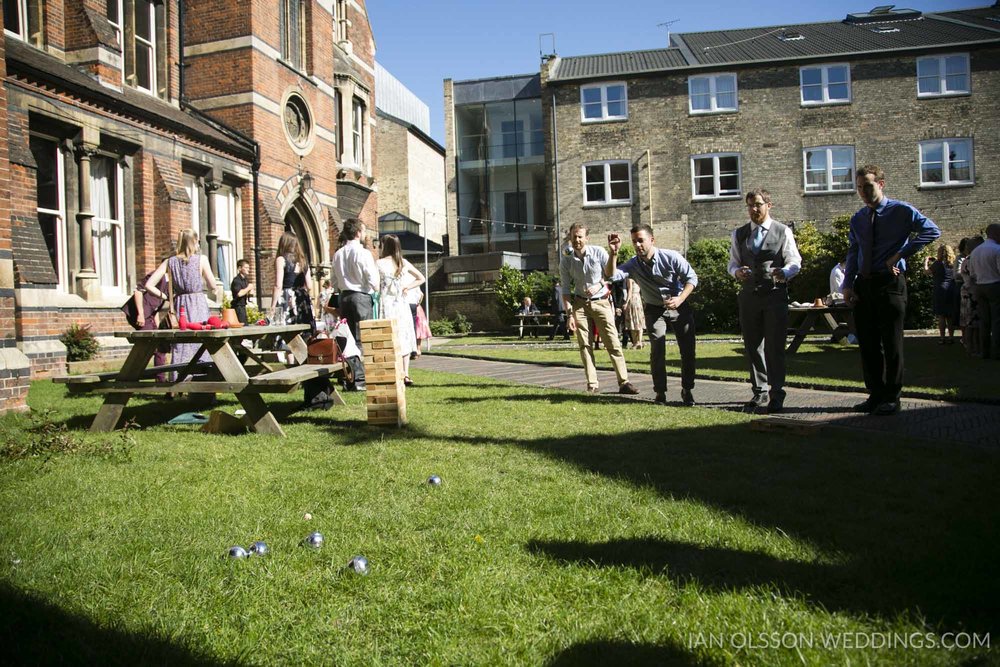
{"points": [[298, 121]]}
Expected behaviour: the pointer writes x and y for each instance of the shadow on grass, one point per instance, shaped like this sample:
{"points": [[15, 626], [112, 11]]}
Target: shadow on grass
{"points": [[911, 526], [38, 633], [607, 652]]}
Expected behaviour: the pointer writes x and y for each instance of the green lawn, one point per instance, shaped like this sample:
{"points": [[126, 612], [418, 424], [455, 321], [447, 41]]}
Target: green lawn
{"points": [[932, 370], [569, 529]]}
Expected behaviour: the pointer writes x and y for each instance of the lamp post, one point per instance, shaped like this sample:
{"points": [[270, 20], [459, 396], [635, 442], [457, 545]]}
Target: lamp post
{"points": [[427, 282]]}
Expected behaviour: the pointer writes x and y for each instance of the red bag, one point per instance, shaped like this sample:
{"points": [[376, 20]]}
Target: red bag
{"points": [[323, 351]]}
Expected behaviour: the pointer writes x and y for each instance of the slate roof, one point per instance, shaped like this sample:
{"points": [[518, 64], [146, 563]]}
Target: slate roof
{"points": [[25, 60], [612, 64], [862, 33]]}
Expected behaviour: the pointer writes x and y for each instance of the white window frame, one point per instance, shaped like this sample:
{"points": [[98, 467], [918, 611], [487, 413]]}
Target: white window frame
{"points": [[607, 201], [293, 51], [228, 228], [62, 268], [942, 77], [358, 111], [825, 85], [605, 116], [24, 26], [119, 4], [146, 45], [118, 283], [716, 186], [713, 94], [829, 169], [945, 164], [340, 21]]}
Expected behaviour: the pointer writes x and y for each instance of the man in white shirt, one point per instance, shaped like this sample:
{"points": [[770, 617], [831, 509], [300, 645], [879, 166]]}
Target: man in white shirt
{"points": [[586, 297], [837, 279], [763, 257], [984, 267], [355, 276]]}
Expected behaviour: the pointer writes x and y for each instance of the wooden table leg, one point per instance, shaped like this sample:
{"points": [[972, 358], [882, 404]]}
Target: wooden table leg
{"points": [[800, 335], [297, 346], [114, 404], [259, 417]]}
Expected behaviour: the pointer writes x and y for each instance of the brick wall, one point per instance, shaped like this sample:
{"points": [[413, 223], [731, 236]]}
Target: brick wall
{"points": [[393, 173], [885, 122]]}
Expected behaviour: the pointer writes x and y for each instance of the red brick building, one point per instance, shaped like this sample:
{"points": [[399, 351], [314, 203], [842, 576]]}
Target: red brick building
{"points": [[123, 122]]}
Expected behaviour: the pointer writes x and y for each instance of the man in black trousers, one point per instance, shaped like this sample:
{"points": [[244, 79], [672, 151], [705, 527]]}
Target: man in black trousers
{"points": [[883, 235]]}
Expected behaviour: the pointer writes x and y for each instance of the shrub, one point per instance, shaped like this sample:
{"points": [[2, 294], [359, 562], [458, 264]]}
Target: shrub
{"points": [[512, 286], [714, 299], [462, 323], [442, 326], [80, 343]]}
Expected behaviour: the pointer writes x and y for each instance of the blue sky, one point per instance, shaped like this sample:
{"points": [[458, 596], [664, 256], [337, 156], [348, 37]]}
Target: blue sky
{"points": [[423, 42]]}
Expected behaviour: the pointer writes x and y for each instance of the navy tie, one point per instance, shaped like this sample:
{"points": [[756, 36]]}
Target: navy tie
{"points": [[867, 247]]}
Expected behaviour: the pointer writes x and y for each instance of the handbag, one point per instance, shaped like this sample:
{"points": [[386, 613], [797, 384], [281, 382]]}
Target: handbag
{"points": [[323, 351]]}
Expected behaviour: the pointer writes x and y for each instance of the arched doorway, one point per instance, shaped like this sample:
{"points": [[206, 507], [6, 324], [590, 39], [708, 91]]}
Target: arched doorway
{"points": [[299, 219]]}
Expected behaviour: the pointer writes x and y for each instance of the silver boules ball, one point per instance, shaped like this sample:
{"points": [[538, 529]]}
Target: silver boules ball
{"points": [[259, 548], [358, 565], [237, 552], [434, 480], [314, 540]]}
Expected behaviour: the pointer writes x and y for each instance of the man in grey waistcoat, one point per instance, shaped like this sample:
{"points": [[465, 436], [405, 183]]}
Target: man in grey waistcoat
{"points": [[763, 258]]}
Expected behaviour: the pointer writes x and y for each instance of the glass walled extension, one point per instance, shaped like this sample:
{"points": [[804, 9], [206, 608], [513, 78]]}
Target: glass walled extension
{"points": [[501, 178]]}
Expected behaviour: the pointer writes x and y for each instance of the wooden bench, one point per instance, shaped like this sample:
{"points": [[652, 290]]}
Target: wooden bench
{"points": [[522, 329], [287, 379], [89, 381]]}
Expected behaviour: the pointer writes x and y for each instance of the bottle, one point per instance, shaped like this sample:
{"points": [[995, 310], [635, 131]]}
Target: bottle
{"points": [[182, 319]]}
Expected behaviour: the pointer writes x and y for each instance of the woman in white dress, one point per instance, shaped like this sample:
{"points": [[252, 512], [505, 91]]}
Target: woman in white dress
{"points": [[395, 273]]}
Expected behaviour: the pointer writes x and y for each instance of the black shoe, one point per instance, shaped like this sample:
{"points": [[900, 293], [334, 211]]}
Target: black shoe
{"points": [[757, 402], [627, 388], [661, 398], [886, 409], [867, 405], [776, 404], [359, 386], [687, 398]]}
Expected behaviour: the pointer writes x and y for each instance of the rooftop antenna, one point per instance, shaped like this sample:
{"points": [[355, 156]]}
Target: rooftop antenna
{"points": [[552, 40], [667, 24]]}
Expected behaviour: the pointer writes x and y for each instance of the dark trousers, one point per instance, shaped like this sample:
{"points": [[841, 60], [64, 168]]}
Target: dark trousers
{"points": [[356, 307], [241, 312], [764, 323], [988, 303], [658, 320], [878, 316], [559, 326]]}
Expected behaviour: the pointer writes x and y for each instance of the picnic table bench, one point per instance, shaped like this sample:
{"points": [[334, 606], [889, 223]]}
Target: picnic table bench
{"points": [[532, 323], [810, 319], [230, 371]]}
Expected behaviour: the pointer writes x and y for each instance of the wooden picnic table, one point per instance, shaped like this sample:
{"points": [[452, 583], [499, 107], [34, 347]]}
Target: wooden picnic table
{"points": [[810, 317], [228, 372], [533, 322]]}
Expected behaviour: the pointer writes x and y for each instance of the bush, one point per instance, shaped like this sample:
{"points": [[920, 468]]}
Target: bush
{"points": [[462, 324], [442, 327], [714, 300], [80, 343], [512, 286]]}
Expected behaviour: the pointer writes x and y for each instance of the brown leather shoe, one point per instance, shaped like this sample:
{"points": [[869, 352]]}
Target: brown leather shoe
{"points": [[627, 388]]}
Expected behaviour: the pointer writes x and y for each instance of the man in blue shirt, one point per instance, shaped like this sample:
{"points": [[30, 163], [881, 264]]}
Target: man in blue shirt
{"points": [[665, 281], [875, 284]]}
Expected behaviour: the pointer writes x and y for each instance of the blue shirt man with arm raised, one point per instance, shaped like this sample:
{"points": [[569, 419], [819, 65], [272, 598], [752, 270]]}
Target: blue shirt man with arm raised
{"points": [[883, 234], [665, 280]]}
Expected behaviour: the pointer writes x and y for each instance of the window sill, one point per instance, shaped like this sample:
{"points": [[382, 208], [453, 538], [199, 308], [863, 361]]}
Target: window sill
{"points": [[695, 200], [720, 112], [813, 105], [598, 121], [826, 193], [305, 75], [946, 186], [935, 96], [614, 204]]}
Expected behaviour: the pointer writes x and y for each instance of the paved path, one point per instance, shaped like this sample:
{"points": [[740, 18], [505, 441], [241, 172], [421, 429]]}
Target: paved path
{"points": [[970, 423]]}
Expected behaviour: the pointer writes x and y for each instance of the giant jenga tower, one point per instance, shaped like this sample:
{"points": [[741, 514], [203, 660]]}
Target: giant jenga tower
{"points": [[383, 374]]}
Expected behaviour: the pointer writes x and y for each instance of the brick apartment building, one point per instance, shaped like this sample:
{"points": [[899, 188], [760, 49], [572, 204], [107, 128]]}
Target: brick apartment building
{"points": [[675, 136], [129, 120]]}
